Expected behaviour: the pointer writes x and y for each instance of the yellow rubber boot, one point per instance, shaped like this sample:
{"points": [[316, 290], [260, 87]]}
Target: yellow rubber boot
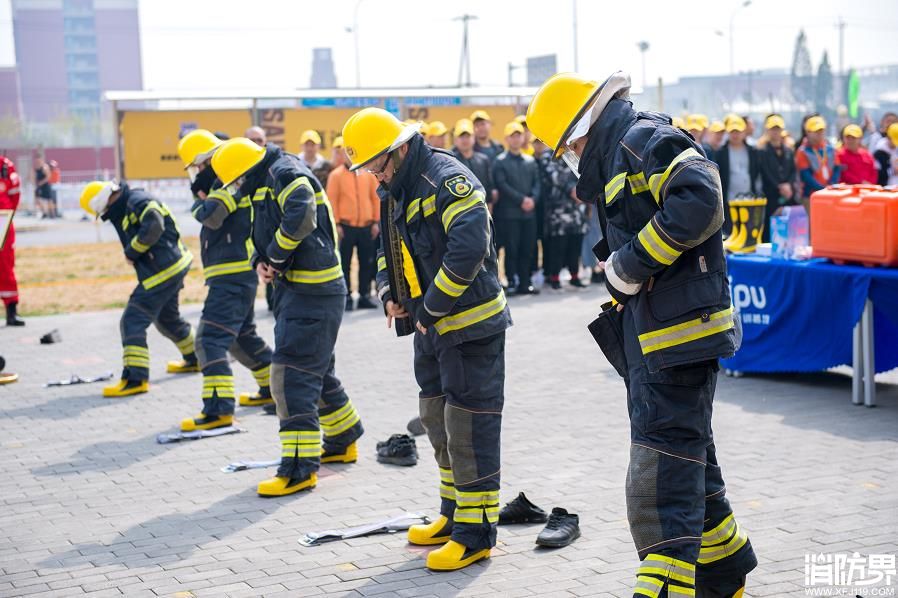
{"points": [[734, 216], [202, 422], [437, 532], [182, 366], [126, 388], [454, 556], [283, 486], [349, 455], [254, 399]]}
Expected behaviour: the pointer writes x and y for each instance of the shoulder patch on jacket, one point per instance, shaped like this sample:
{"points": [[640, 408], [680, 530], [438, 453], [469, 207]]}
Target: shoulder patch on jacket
{"points": [[459, 186]]}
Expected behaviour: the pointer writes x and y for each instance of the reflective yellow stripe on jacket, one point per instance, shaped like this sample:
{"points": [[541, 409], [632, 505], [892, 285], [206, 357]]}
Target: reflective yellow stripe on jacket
{"points": [[656, 181], [231, 267], [170, 272], [687, 331], [471, 316]]}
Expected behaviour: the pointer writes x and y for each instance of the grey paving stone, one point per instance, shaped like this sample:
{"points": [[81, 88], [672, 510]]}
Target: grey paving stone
{"points": [[89, 503]]}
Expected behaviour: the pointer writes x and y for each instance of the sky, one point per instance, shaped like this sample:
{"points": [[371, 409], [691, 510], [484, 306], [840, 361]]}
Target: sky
{"points": [[267, 44]]}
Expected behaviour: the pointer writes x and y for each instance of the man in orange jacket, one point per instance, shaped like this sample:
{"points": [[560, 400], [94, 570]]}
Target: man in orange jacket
{"points": [[353, 196]]}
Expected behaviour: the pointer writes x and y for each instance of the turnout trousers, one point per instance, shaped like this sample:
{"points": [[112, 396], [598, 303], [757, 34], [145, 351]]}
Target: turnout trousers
{"points": [[227, 325], [310, 398], [461, 399], [685, 532], [9, 287], [158, 306]]}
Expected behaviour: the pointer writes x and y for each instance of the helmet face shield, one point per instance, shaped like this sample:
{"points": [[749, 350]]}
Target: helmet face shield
{"points": [[572, 160], [192, 171]]}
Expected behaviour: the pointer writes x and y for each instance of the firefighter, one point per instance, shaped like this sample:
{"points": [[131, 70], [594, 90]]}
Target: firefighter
{"points": [[437, 276], [152, 244], [661, 206], [10, 187], [227, 324], [295, 240]]}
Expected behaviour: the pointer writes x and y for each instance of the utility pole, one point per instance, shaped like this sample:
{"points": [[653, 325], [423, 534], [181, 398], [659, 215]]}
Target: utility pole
{"points": [[744, 4], [840, 92], [464, 66], [576, 48]]}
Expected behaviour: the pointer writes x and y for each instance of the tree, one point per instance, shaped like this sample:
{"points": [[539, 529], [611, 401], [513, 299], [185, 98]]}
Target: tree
{"points": [[823, 91], [802, 75]]}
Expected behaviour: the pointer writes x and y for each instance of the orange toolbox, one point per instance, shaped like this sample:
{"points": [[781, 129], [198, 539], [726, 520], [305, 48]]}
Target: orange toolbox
{"points": [[855, 223]]}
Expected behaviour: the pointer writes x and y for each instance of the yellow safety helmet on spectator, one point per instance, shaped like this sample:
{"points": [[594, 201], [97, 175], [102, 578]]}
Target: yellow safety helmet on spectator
{"points": [[463, 126], [696, 122], [372, 132], [437, 128], [310, 135], [95, 196], [235, 158], [197, 146]]}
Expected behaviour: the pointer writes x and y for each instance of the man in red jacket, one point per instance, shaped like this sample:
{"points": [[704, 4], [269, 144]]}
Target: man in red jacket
{"points": [[858, 165], [9, 200]]}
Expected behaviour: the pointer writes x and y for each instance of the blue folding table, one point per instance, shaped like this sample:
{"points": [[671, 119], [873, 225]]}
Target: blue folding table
{"points": [[806, 316]]}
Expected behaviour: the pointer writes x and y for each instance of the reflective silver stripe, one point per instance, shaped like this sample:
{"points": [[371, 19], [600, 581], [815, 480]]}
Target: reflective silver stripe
{"points": [[652, 242], [471, 316], [721, 532], [615, 186], [648, 586], [667, 567], [710, 554], [687, 331], [656, 181], [674, 590], [638, 183]]}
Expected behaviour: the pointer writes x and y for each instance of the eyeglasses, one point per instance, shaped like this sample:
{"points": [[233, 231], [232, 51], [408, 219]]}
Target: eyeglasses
{"points": [[257, 140], [379, 172]]}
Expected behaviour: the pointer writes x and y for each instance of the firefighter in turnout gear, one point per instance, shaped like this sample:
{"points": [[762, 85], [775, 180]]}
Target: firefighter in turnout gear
{"points": [[152, 244], [227, 324], [295, 241], [438, 278], [661, 206], [10, 192]]}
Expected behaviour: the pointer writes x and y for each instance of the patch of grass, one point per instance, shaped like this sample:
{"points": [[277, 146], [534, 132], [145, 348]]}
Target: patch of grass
{"points": [[87, 277]]}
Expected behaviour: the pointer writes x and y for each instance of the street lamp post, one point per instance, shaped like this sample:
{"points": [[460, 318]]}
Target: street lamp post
{"points": [[744, 4], [355, 39], [643, 48]]}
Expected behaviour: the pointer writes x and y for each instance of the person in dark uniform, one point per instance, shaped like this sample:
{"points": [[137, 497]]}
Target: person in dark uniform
{"points": [[661, 205], [295, 239], [152, 243], [438, 278], [227, 324]]}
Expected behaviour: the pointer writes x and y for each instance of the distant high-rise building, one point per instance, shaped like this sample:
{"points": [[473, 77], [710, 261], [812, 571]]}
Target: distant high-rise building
{"points": [[323, 76], [68, 52], [10, 97]]}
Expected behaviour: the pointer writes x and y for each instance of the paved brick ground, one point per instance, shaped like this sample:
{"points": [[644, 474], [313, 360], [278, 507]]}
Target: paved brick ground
{"points": [[92, 505]]}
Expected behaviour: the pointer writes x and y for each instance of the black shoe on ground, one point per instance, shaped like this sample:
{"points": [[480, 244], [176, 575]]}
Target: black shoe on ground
{"points": [[555, 285], [415, 427], [528, 290], [521, 510], [597, 277], [349, 305], [270, 409], [576, 282], [562, 529], [365, 302], [400, 449]]}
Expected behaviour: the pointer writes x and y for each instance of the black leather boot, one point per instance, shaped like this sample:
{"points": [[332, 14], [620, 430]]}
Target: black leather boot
{"points": [[12, 319]]}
